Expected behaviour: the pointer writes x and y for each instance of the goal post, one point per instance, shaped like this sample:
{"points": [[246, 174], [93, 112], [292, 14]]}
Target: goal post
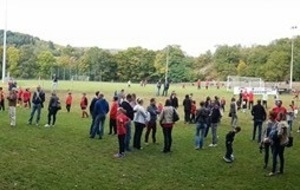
{"points": [[245, 82]]}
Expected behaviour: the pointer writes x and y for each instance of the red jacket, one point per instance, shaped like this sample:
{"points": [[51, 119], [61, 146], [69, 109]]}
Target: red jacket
{"points": [[251, 96], [245, 95], [122, 119], [278, 110], [69, 100], [84, 102], [193, 110], [113, 110], [26, 96]]}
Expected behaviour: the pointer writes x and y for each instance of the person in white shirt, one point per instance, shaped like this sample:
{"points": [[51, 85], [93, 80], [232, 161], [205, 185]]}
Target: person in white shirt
{"points": [[140, 119]]}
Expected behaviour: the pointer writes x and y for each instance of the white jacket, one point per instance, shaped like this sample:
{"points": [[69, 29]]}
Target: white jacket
{"points": [[140, 115]]}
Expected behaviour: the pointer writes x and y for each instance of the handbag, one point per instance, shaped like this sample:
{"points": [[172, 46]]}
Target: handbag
{"points": [[175, 116]]}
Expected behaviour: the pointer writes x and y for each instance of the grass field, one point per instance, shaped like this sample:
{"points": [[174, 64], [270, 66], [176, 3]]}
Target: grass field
{"points": [[64, 157]]}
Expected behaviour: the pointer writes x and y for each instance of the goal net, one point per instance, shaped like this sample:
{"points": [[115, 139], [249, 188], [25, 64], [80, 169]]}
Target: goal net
{"points": [[244, 82]]}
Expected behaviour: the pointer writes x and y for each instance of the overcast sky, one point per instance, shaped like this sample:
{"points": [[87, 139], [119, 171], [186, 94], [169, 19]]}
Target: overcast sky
{"points": [[195, 25]]}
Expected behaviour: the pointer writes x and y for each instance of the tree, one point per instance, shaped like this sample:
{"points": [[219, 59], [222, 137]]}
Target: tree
{"points": [[46, 63], [242, 68], [13, 57]]}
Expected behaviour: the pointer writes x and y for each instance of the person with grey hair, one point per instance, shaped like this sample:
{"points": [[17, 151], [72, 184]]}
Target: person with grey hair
{"points": [[53, 107]]}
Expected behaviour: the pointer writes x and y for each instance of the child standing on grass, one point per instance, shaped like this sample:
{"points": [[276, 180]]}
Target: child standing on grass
{"points": [[2, 99], [83, 105], [113, 116], [122, 121], [26, 98], [69, 99], [228, 158], [12, 102], [193, 111]]}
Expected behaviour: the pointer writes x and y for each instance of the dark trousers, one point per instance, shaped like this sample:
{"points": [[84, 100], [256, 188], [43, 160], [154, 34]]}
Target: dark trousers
{"points": [[68, 107], [193, 116], [246, 103], [167, 131], [138, 135], [257, 124], [187, 115], [223, 107], [207, 129], [52, 113], [229, 150], [267, 151], [278, 151], [151, 127], [121, 139], [2, 105], [112, 126]]}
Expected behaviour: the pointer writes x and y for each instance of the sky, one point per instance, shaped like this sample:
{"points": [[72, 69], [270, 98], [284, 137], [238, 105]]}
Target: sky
{"points": [[195, 25]]}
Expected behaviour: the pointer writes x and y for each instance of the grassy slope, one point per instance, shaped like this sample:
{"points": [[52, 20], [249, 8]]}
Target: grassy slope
{"points": [[65, 158]]}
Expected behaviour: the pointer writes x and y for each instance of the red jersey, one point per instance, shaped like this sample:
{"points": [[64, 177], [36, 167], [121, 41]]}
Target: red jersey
{"points": [[113, 110], [20, 94], [193, 109], [69, 99], [278, 110], [26, 96], [84, 102], [251, 96], [245, 95], [122, 119]]}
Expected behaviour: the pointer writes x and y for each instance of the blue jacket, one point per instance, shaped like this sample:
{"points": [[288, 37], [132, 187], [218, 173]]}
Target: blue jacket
{"points": [[38, 97], [101, 108]]}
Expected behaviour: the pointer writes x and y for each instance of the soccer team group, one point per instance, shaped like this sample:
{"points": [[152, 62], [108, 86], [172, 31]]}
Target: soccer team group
{"points": [[127, 110]]}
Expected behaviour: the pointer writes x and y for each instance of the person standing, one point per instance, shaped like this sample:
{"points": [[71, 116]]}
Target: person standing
{"points": [[279, 109], [215, 117], [129, 113], [259, 116], [174, 100], [101, 108], [83, 105], [12, 102], [251, 100], [122, 120], [140, 120], [280, 139], [245, 100], [266, 143], [158, 86], [193, 111], [2, 99], [121, 96], [233, 113], [201, 125], [113, 116], [26, 98], [69, 100], [187, 106], [265, 100], [38, 100], [198, 84], [53, 107], [223, 103], [151, 126], [166, 121], [91, 108], [54, 82], [228, 158], [166, 88]]}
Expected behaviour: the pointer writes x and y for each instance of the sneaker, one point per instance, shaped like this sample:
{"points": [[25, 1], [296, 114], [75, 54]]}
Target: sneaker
{"points": [[37, 124], [227, 160], [146, 143], [215, 145], [211, 145], [271, 174], [298, 131], [197, 148], [47, 125], [118, 155]]}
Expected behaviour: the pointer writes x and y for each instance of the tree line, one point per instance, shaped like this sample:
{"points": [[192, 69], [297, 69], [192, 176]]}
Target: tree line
{"points": [[29, 57]]}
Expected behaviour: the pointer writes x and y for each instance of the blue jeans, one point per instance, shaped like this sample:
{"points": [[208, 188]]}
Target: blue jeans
{"points": [[200, 132], [98, 126], [128, 136], [214, 127], [35, 107]]}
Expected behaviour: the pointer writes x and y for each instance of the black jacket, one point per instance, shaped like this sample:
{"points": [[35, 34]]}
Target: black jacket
{"points": [[259, 113], [187, 104], [230, 137], [174, 102], [128, 108]]}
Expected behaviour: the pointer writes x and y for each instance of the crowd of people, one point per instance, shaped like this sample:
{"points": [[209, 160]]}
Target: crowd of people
{"points": [[126, 111]]}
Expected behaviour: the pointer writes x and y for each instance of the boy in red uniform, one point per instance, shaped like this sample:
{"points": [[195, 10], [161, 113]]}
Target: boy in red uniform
{"points": [[122, 121], [251, 100], [83, 105], [193, 111], [26, 98], [113, 116], [244, 100], [69, 100], [20, 97]]}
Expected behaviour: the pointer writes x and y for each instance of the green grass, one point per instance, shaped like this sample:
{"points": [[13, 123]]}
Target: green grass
{"points": [[64, 157]]}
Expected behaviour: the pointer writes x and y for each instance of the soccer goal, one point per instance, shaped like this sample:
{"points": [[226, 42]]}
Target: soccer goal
{"points": [[245, 82]]}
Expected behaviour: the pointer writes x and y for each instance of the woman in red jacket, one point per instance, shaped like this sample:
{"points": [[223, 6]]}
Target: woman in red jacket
{"points": [[113, 116]]}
